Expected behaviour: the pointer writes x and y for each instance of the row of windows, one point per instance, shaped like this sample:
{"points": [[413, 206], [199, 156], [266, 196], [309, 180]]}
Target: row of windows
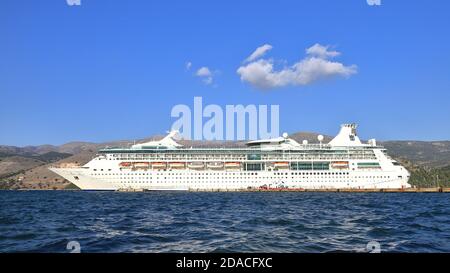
{"points": [[253, 168], [280, 175], [214, 183], [228, 178], [222, 174], [242, 158]]}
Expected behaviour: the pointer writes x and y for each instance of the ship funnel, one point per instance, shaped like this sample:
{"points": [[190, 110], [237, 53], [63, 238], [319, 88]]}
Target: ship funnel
{"points": [[347, 136], [173, 134], [167, 142]]}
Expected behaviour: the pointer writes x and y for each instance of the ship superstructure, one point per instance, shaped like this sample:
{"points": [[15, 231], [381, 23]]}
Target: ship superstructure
{"points": [[343, 163]]}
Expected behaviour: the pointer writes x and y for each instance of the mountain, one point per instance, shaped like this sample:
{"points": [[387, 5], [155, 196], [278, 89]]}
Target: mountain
{"points": [[423, 153], [27, 167]]}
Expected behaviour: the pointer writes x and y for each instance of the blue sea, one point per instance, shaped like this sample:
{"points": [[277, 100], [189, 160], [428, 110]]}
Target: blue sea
{"points": [[46, 221]]}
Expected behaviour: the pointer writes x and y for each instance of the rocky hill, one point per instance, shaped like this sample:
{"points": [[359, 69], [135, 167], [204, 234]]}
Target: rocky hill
{"points": [[27, 167]]}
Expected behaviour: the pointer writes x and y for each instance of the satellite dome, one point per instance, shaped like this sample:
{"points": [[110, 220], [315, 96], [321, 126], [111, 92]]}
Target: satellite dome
{"points": [[285, 135], [305, 142], [320, 137]]}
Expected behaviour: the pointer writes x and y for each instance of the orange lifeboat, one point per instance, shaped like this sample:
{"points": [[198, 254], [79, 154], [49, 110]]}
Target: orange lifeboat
{"points": [[141, 165], [339, 164], [177, 165], [232, 165], [283, 164], [125, 164], [159, 165]]}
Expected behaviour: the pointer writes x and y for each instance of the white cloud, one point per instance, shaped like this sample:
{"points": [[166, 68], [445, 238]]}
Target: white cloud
{"points": [[321, 51], [207, 80], [188, 65], [315, 66], [205, 74], [374, 2], [259, 52]]}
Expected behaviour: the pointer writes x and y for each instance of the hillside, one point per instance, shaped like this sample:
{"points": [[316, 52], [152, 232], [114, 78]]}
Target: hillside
{"points": [[14, 164], [423, 153], [41, 177], [27, 167]]}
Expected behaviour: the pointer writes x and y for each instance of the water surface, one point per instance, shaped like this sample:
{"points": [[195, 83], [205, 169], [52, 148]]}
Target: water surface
{"points": [[45, 221]]}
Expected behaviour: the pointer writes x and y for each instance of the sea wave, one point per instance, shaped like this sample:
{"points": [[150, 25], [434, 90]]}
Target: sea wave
{"points": [[45, 221]]}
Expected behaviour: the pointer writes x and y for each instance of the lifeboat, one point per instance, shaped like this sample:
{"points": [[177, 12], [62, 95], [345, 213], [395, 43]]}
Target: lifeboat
{"points": [[339, 164], [215, 165], [125, 164], [281, 164], [159, 165], [177, 165], [141, 164], [196, 165], [232, 165]]}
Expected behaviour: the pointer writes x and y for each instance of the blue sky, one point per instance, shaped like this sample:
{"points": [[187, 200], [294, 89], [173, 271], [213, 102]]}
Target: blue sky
{"points": [[109, 70]]}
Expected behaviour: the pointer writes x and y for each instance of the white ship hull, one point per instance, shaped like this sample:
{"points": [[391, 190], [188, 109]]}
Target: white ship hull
{"points": [[232, 180]]}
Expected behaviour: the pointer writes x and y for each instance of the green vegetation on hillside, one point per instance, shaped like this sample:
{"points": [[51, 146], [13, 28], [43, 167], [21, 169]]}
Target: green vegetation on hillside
{"points": [[425, 176], [433, 154], [433, 177], [52, 156]]}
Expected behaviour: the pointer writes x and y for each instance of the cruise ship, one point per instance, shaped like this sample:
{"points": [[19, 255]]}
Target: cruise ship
{"points": [[277, 163]]}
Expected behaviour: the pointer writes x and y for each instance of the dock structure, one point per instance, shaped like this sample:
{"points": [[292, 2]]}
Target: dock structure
{"points": [[406, 190], [345, 190]]}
